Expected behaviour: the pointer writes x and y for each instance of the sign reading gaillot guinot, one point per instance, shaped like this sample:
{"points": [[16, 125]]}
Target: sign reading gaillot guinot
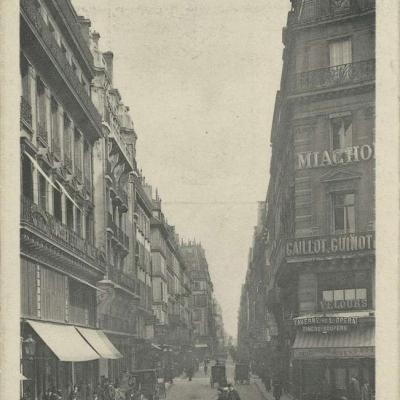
{"points": [[329, 245], [327, 158]]}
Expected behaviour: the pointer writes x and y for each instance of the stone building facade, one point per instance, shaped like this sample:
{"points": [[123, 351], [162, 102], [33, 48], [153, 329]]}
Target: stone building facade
{"points": [[321, 199], [61, 261]]}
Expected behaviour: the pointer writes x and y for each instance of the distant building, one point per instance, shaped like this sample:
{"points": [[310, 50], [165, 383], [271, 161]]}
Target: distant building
{"points": [[204, 330], [171, 286]]}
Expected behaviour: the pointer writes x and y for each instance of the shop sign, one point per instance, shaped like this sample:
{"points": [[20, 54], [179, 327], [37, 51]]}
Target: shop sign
{"points": [[356, 304], [326, 158], [325, 328], [338, 352], [330, 245], [307, 321]]}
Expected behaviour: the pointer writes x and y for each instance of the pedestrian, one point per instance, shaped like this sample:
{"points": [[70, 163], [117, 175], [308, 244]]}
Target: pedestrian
{"points": [[366, 391], [232, 393], [205, 367], [355, 390], [277, 389]]}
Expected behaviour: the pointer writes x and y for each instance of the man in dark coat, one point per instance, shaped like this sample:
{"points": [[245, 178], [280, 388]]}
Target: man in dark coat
{"points": [[232, 393], [277, 388], [355, 389]]}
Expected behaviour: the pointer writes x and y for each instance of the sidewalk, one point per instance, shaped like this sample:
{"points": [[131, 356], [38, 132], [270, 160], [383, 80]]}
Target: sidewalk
{"points": [[268, 395]]}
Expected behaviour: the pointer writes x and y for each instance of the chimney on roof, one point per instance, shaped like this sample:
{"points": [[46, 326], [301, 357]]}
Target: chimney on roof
{"points": [[85, 25], [109, 59]]}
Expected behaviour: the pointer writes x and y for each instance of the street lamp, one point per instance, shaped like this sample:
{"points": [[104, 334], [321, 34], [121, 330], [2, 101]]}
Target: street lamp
{"points": [[29, 346]]}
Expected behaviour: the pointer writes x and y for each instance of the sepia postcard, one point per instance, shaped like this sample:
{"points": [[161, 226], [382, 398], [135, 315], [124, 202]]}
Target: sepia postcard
{"points": [[199, 200]]}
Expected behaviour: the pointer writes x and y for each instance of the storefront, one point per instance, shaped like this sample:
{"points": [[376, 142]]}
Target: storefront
{"points": [[328, 352], [62, 358]]}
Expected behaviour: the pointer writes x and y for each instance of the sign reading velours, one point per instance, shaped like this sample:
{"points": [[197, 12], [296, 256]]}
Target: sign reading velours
{"points": [[326, 158], [344, 304], [330, 245]]}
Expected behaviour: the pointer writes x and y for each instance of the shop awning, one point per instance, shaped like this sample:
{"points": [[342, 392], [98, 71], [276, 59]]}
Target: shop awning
{"points": [[64, 341], [355, 343], [100, 342]]}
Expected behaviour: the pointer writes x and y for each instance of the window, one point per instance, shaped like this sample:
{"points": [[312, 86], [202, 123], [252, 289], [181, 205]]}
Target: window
{"points": [[42, 183], [55, 129], [24, 67], [27, 181], [77, 154], [344, 212], [89, 228], [57, 205], [340, 52], [87, 165], [78, 221], [41, 114], [70, 214], [343, 299], [67, 142], [341, 129]]}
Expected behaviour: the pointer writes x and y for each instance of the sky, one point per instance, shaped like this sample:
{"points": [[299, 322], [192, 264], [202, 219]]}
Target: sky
{"points": [[200, 78]]}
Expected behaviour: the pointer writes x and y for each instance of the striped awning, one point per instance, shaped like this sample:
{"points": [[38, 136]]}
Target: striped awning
{"points": [[100, 342], [355, 343], [64, 341]]}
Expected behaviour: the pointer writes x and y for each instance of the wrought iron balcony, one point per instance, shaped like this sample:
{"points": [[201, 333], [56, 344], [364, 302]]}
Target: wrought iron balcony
{"points": [[41, 221], [26, 112], [122, 279], [333, 77], [32, 13], [310, 11]]}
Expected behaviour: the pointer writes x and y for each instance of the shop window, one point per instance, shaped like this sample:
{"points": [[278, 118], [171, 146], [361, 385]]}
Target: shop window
{"points": [[340, 378], [340, 52], [342, 135], [343, 212]]}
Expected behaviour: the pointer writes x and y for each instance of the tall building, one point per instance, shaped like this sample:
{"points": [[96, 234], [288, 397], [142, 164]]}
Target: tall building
{"points": [[255, 327], [61, 262], [171, 285], [114, 166], [204, 334], [321, 201]]}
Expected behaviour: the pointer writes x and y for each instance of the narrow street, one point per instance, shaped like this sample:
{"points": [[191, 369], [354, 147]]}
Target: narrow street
{"points": [[199, 388]]}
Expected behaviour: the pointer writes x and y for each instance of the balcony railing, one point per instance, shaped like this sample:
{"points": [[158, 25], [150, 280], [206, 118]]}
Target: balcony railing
{"points": [[309, 11], [32, 12], [332, 77], [26, 111], [122, 279], [46, 224]]}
